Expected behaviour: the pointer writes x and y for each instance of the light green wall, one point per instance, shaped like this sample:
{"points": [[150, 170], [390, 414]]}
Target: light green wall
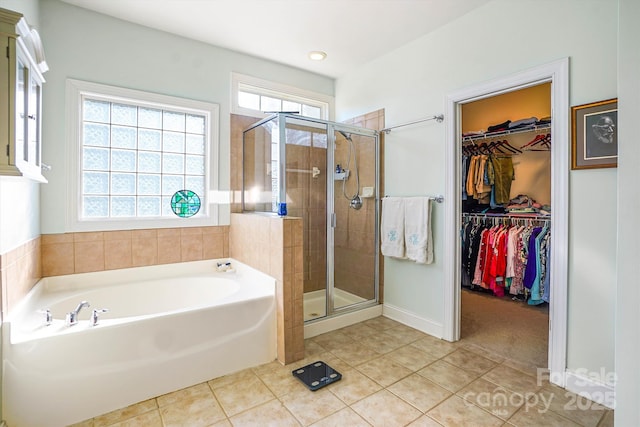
{"points": [[29, 8], [19, 212], [628, 291], [88, 46], [498, 39]]}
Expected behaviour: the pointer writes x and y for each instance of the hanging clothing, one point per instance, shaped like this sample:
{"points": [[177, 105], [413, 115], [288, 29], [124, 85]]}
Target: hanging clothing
{"points": [[502, 178], [487, 179], [547, 277], [531, 270], [537, 287], [483, 186], [502, 255], [507, 259]]}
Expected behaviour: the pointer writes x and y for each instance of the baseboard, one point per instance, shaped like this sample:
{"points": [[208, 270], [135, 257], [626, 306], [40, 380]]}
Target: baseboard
{"points": [[604, 394], [427, 326]]}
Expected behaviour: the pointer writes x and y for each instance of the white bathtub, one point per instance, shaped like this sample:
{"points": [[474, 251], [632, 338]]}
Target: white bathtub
{"points": [[168, 327]]}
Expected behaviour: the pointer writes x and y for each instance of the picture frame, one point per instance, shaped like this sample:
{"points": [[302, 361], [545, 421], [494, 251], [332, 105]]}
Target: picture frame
{"points": [[594, 136]]}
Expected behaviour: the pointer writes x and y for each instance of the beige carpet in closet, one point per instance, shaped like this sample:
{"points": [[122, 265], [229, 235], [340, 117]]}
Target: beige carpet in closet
{"points": [[509, 328]]}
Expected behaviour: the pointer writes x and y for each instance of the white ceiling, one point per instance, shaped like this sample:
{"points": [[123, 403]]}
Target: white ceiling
{"points": [[351, 32]]}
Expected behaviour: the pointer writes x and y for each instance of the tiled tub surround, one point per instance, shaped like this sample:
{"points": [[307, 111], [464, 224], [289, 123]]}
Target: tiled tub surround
{"points": [[20, 269], [70, 253], [273, 245], [168, 326]]}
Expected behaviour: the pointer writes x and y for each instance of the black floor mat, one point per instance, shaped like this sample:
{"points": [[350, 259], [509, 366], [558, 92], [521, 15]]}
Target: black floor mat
{"points": [[316, 375]]}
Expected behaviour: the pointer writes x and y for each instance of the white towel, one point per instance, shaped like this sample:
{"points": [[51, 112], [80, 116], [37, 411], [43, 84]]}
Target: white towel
{"points": [[392, 227], [417, 229]]}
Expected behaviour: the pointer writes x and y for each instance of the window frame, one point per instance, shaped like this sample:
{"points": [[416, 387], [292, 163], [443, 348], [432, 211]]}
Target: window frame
{"points": [[76, 91], [276, 90]]}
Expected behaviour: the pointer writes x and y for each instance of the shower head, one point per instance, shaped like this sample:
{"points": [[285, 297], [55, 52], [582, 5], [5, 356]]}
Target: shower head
{"points": [[347, 136]]}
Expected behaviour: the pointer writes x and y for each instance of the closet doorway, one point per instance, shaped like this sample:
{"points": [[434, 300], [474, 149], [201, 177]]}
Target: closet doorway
{"points": [[555, 77], [506, 142]]}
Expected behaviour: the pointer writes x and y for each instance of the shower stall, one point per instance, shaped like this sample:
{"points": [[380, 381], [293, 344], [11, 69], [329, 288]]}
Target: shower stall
{"points": [[326, 173]]}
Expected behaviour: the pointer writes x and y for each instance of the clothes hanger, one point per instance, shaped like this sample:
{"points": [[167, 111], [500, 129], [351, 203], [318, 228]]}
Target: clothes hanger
{"points": [[538, 138], [510, 147], [483, 148], [493, 147], [501, 147], [470, 149], [545, 144]]}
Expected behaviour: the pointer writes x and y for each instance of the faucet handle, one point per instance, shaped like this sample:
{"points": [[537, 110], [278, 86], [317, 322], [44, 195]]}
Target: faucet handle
{"points": [[48, 317], [70, 319], [95, 315]]}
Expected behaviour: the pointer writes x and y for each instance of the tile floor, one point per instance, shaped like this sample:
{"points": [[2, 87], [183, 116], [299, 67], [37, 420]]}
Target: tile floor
{"points": [[392, 375]]}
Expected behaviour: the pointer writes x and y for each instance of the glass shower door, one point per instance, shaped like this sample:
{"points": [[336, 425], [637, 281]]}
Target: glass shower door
{"points": [[306, 195], [326, 173], [354, 230]]}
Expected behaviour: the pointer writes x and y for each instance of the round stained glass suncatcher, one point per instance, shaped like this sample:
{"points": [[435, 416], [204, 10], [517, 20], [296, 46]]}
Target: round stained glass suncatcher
{"points": [[185, 203]]}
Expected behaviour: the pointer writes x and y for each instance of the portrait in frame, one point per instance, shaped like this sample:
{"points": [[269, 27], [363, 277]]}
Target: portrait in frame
{"points": [[594, 136]]}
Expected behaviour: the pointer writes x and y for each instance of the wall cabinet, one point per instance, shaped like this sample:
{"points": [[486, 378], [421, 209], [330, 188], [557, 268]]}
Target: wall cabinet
{"points": [[21, 68]]}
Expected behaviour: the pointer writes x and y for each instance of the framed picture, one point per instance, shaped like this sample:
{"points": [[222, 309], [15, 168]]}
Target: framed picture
{"points": [[594, 136]]}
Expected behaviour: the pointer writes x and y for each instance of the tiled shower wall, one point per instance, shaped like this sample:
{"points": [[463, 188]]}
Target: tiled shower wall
{"points": [[306, 198], [238, 125], [355, 229]]}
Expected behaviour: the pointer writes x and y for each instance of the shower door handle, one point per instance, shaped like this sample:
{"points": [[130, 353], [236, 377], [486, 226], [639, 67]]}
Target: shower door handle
{"points": [[333, 220]]}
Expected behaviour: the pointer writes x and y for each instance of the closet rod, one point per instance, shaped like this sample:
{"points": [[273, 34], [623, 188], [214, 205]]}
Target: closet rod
{"points": [[511, 216], [438, 198], [438, 119]]}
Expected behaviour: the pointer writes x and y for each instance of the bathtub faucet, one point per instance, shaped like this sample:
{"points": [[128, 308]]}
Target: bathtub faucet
{"points": [[72, 316], [95, 315]]}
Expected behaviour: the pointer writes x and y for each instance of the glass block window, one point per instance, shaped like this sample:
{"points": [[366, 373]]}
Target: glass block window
{"points": [[256, 97], [134, 158], [133, 151]]}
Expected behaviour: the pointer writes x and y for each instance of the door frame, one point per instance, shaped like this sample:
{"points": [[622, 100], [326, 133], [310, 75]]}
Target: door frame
{"points": [[557, 73]]}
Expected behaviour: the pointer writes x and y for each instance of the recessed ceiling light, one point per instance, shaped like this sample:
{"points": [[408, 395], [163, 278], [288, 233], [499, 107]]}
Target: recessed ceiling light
{"points": [[317, 55]]}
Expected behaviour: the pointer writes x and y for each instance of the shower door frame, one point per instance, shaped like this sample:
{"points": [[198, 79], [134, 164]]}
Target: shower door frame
{"points": [[330, 309], [331, 129]]}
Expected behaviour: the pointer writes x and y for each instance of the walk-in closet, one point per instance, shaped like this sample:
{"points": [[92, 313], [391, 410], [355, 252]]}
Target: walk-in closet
{"points": [[506, 223]]}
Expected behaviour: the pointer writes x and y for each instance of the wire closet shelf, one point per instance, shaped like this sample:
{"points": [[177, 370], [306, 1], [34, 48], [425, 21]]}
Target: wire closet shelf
{"points": [[490, 135]]}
